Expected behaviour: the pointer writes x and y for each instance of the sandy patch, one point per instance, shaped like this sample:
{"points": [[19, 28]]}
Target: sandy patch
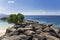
{"points": [[2, 31]]}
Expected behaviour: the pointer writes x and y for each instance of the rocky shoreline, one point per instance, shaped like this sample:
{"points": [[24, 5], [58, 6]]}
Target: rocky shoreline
{"points": [[31, 30], [4, 18]]}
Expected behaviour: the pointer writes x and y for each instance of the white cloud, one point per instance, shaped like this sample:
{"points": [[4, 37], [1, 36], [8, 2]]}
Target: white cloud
{"points": [[6, 11], [2, 9], [32, 12], [41, 12], [11, 1]]}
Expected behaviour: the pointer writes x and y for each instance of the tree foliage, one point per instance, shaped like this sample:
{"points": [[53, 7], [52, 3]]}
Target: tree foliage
{"points": [[16, 19]]}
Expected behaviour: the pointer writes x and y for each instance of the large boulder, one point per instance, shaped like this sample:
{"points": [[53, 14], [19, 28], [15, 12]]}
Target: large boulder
{"points": [[55, 29], [48, 36], [8, 30], [11, 31], [38, 37]]}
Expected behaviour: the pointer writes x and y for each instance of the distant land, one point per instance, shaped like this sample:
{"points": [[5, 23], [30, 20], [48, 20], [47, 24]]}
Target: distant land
{"points": [[3, 15]]}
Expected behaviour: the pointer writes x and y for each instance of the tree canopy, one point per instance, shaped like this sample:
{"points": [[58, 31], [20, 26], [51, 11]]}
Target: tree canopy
{"points": [[16, 19]]}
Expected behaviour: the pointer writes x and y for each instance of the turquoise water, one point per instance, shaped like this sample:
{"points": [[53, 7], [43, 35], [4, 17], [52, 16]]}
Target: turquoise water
{"points": [[5, 24]]}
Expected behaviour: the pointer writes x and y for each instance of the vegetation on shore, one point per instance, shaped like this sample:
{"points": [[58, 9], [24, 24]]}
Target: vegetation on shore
{"points": [[16, 19]]}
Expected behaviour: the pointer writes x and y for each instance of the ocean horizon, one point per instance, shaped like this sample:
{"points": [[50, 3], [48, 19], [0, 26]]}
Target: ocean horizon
{"points": [[43, 19]]}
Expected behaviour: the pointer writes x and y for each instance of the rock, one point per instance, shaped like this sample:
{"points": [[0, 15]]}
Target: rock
{"points": [[18, 37], [38, 31], [55, 29], [48, 36], [29, 32], [15, 37], [52, 32], [22, 30], [35, 39], [16, 26], [46, 29], [13, 33], [29, 26], [58, 35], [10, 30], [1, 37], [38, 37], [50, 25]]}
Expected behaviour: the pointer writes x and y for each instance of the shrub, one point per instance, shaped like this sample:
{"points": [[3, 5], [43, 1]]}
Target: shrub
{"points": [[16, 19]]}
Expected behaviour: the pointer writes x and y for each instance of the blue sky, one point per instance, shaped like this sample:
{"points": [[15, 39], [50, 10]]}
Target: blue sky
{"points": [[30, 7]]}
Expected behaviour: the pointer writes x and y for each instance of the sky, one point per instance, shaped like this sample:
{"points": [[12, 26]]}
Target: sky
{"points": [[30, 7]]}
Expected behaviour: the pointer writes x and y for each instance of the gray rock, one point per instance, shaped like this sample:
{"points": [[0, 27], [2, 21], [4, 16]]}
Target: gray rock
{"points": [[16, 37], [29, 32]]}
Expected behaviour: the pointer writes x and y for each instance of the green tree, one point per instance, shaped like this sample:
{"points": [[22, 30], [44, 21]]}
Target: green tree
{"points": [[16, 19], [20, 17]]}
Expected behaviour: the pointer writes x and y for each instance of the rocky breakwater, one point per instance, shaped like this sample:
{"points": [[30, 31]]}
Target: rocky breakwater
{"points": [[30, 30]]}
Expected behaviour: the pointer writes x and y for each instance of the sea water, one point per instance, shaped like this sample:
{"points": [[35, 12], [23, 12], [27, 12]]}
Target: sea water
{"points": [[55, 20], [5, 24], [45, 19]]}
